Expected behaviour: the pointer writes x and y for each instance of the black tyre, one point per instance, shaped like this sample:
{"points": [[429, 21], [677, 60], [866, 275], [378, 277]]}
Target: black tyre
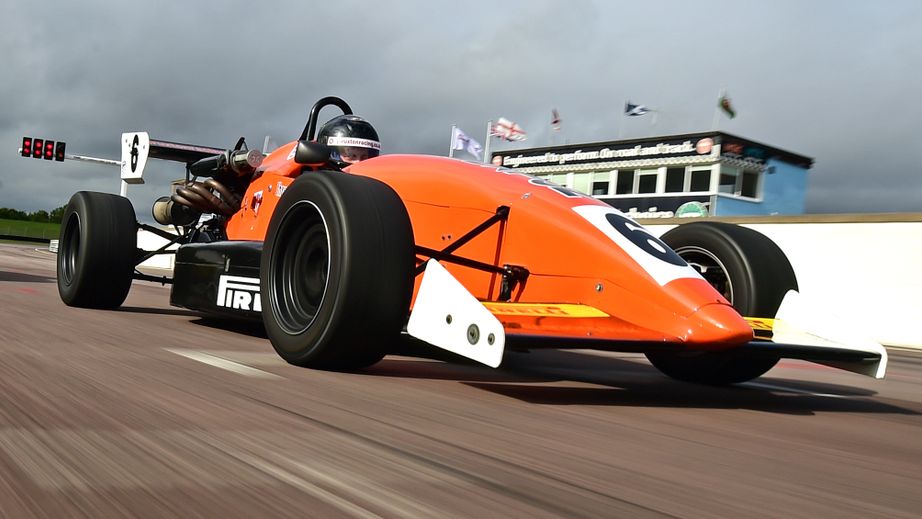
{"points": [[97, 250], [752, 272], [336, 271]]}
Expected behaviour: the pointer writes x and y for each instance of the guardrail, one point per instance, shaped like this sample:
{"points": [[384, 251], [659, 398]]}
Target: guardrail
{"points": [[25, 232], [16, 237]]}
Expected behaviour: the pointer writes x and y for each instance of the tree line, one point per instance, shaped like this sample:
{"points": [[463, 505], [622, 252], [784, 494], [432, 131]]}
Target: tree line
{"points": [[36, 216]]}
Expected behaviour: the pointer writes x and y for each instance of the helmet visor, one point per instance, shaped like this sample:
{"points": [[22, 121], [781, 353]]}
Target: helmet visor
{"points": [[352, 154], [353, 149]]}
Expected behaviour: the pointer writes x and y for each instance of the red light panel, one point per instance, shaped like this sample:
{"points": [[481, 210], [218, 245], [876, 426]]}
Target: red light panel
{"points": [[37, 146], [49, 150], [26, 146]]}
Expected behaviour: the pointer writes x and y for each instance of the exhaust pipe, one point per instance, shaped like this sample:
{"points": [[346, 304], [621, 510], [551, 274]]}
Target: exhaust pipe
{"points": [[168, 212]]}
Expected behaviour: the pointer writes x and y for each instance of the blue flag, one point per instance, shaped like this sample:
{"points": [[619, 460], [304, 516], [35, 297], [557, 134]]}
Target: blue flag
{"points": [[632, 110]]}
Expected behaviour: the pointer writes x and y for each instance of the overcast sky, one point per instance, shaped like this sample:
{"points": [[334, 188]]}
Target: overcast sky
{"points": [[838, 81]]}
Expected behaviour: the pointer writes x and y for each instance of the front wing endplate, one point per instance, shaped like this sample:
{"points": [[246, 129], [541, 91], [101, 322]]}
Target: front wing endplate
{"points": [[446, 315]]}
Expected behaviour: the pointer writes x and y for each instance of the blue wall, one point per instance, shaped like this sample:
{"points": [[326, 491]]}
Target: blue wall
{"points": [[783, 192]]}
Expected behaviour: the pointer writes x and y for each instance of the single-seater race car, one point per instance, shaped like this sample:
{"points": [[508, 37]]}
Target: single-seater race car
{"points": [[340, 262]]}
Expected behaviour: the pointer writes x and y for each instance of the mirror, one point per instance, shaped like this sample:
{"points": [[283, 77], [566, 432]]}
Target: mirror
{"points": [[312, 153]]}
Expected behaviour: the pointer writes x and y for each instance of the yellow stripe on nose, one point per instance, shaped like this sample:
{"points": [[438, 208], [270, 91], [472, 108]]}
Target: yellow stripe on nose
{"points": [[544, 310]]}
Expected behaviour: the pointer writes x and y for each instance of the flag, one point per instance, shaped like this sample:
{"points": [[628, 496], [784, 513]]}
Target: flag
{"points": [[461, 141], [555, 120], [508, 130], [724, 104], [632, 110]]}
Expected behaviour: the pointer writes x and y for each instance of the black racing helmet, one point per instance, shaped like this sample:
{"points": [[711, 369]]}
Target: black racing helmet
{"points": [[351, 139]]}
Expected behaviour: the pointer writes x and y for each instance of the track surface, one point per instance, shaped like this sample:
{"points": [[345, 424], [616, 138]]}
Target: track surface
{"points": [[151, 411]]}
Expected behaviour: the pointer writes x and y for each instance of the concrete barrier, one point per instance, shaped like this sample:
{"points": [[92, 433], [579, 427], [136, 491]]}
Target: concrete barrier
{"points": [[150, 241], [866, 269]]}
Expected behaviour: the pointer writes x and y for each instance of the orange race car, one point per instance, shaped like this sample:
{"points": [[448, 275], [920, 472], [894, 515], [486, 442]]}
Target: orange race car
{"points": [[340, 258]]}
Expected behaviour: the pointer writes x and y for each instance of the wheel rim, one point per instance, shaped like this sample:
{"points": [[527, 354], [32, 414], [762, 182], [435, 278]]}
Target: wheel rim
{"points": [[70, 249], [710, 267], [301, 268]]}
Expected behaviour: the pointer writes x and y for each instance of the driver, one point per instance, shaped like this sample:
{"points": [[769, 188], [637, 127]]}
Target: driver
{"points": [[350, 138]]}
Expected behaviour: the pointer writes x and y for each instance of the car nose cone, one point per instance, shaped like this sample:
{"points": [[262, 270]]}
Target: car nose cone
{"points": [[717, 326]]}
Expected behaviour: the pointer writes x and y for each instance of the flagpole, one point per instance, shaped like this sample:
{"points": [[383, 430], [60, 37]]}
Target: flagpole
{"points": [[486, 148], [720, 95], [555, 118], [451, 145]]}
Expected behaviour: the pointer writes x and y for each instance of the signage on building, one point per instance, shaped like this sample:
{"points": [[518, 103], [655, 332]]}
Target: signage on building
{"points": [[692, 209], [611, 151], [658, 206], [705, 145], [746, 152]]}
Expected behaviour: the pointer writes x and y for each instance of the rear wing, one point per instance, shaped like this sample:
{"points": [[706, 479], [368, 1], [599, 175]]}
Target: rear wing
{"points": [[137, 147]]}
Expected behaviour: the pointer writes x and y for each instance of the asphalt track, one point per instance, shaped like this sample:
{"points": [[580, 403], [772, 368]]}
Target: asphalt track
{"points": [[152, 411]]}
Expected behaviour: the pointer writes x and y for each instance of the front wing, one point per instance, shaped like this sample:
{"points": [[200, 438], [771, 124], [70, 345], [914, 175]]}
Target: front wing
{"points": [[446, 315]]}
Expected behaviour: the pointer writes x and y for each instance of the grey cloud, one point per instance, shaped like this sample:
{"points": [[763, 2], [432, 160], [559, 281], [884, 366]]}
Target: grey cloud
{"points": [[837, 82]]}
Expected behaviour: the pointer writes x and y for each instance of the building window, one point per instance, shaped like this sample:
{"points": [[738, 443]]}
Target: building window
{"points": [[559, 179], [675, 180], [750, 186], [700, 180], [600, 183], [646, 181], [625, 184], [581, 182], [600, 188], [728, 178]]}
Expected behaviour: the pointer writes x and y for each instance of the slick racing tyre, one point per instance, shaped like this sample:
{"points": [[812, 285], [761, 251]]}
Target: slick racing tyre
{"points": [[749, 270], [336, 271], [97, 250]]}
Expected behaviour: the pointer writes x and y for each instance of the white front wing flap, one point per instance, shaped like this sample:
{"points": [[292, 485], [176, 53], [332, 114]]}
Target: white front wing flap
{"points": [[446, 315], [800, 322]]}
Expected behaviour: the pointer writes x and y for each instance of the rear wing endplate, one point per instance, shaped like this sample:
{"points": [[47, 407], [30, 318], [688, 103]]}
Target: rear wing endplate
{"points": [[137, 147]]}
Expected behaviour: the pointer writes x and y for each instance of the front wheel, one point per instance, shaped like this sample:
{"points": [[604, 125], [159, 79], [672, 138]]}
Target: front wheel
{"points": [[336, 271], [97, 250], [752, 272]]}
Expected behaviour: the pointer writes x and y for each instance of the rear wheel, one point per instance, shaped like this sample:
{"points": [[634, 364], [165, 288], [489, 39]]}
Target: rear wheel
{"points": [[97, 250], [336, 271], [752, 272]]}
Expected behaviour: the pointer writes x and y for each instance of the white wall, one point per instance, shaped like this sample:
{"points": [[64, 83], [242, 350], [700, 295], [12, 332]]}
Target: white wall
{"points": [[150, 241], [868, 273]]}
